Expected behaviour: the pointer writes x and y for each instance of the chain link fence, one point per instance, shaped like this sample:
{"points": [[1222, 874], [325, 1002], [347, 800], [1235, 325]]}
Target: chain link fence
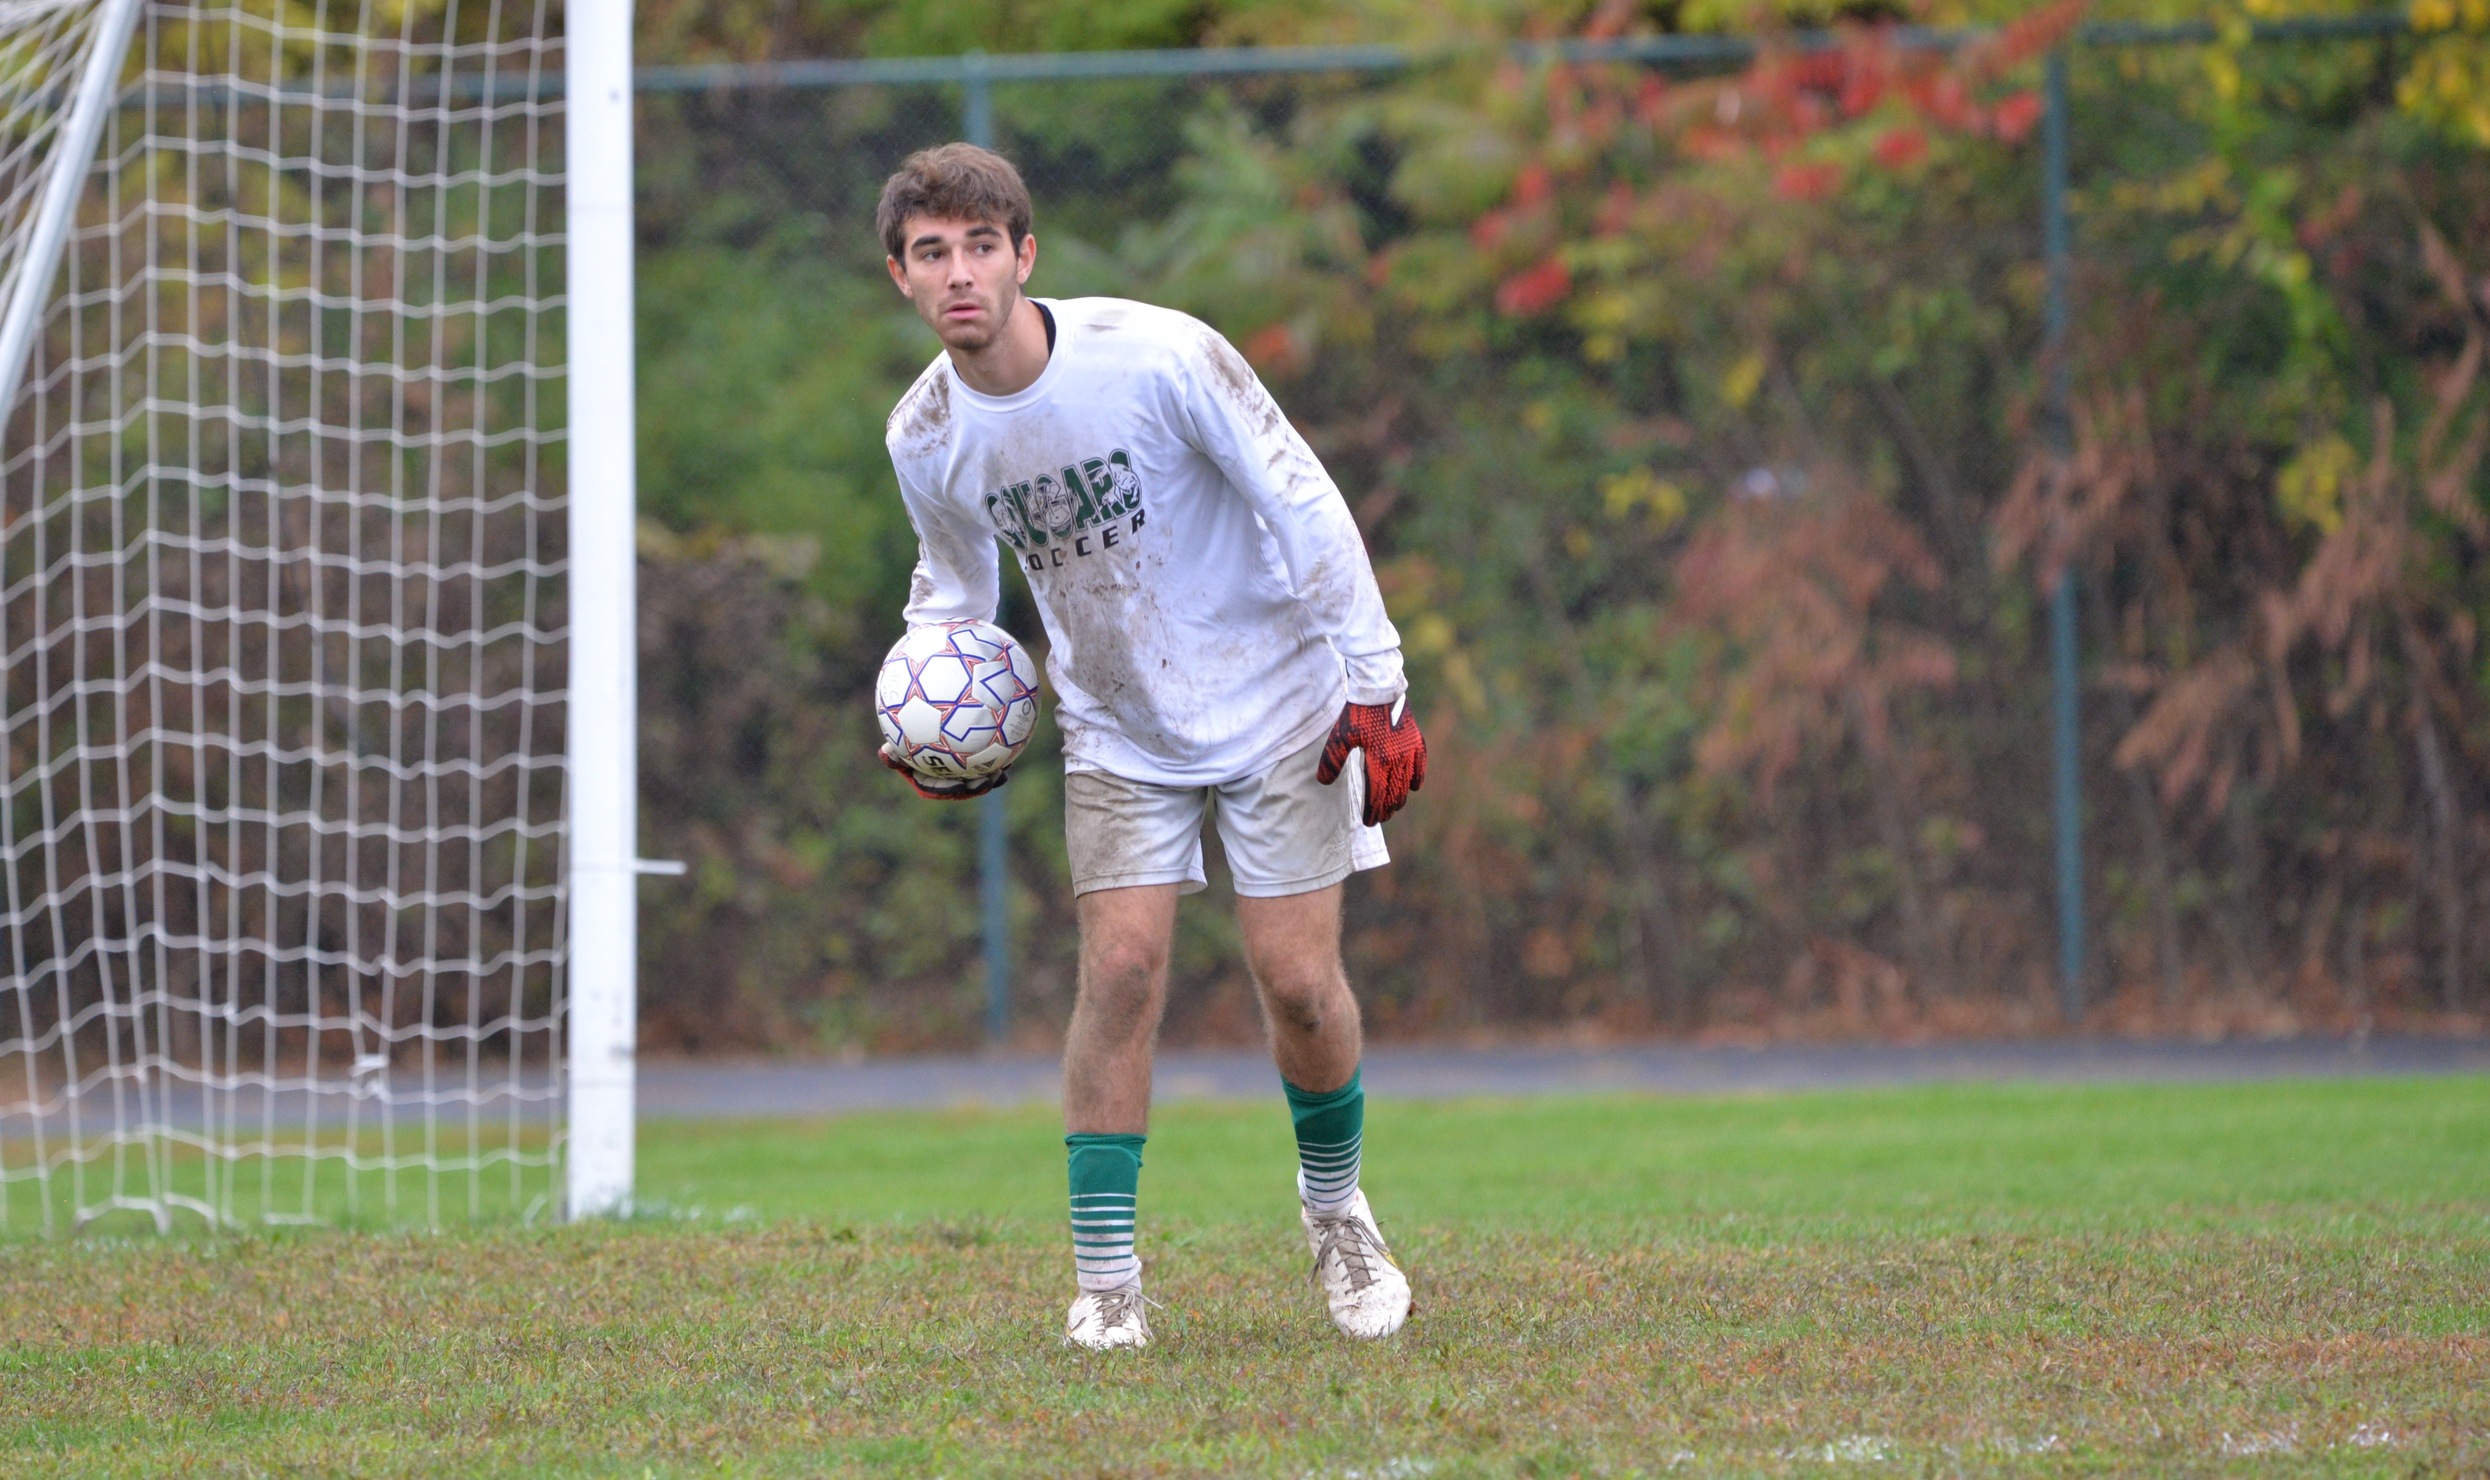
{"points": [[1573, 531], [771, 175]]}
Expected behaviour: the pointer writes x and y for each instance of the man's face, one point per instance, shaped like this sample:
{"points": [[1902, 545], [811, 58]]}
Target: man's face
{"points": [[963, 277]]}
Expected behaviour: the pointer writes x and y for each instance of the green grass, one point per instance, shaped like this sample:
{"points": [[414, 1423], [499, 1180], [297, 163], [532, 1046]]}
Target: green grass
{"points": [[400, 1182], [2288, 1277]]}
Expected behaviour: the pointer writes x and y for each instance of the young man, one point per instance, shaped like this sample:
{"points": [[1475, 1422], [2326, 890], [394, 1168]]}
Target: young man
{"points": [[1217, 645]]}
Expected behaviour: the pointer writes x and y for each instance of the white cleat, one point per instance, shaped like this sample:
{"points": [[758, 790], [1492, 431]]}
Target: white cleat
{"points": [[1368, 1294], [1109, 1320]]}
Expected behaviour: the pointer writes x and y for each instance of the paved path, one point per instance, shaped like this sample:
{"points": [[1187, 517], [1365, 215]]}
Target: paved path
{"points": [[780, 1087]]}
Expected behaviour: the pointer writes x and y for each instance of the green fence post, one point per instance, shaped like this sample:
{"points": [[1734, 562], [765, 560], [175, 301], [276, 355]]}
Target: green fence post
{"points": [[976, 100], [2058, 427]]}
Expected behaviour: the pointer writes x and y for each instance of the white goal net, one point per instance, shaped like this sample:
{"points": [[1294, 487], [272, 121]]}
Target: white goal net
{"points": [[282, 595]]}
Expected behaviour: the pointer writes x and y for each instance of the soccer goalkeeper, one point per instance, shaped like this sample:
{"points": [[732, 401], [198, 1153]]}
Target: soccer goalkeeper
{"points": [[1217, 645]]}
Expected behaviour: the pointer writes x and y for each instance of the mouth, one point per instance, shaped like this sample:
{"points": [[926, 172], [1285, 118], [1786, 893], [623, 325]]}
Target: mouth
{"points": [[959, 311]]}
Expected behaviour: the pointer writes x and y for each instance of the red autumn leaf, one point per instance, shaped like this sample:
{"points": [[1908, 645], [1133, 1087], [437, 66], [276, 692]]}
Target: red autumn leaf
{"points": [[1868, 71], [1616, 209], [1901, 148], [1649, 97], [1711, 145], [1807, 180], [1611, 19], [1274, 349], [2014, 116], [1823, 71], [1947, 102], [1535, 290], [1531, 186], [2027, 37], [1863, 89]]}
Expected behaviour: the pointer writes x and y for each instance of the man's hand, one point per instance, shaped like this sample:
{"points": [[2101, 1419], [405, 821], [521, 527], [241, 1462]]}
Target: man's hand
{"points": [[943, 788], [1396, 754]]}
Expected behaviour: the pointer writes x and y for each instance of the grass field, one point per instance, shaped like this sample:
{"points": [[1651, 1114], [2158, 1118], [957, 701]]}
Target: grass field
{"points": [[2277, 1278]]}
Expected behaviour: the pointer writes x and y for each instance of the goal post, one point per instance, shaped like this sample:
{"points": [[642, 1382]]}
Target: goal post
{"points": [[73, 139], [604, 771], [317, 724]]}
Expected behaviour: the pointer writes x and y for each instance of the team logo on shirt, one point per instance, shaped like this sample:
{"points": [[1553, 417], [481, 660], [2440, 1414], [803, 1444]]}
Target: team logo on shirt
{"points": [[1076, 510]]}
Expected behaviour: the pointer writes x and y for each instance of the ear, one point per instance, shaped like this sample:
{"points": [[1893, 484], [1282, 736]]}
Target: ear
{"points": [[1028, 257], [899, 278]]}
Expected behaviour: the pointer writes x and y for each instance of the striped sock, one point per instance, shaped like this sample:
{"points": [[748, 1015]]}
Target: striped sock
{"points": [[1331, 1128], [1106, 1182]]}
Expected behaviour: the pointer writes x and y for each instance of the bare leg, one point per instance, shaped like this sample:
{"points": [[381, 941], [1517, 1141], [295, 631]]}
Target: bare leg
{"points": [[1115, 1015], [1292, 946]]}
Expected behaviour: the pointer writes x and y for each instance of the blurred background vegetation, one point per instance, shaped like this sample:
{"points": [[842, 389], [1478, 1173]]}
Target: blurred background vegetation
{"points": [[1691, 420]]}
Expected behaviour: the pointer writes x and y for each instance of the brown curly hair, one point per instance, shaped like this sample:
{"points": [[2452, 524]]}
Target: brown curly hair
{"points": [[953, 182]]}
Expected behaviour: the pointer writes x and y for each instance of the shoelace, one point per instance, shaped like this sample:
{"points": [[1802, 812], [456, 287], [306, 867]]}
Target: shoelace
{"points": [[1348, 1237], [1121, 1308]]}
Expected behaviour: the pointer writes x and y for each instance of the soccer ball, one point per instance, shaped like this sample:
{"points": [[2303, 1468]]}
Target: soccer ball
{"points": [[957, 700]]}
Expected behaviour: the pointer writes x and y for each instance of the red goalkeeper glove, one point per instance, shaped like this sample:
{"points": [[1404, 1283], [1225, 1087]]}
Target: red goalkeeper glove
{"points": [[1396, 754], [943, 788]]}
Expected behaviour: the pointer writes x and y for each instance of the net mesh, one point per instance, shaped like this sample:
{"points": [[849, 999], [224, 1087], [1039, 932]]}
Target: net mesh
{"points": [[281, 561]]}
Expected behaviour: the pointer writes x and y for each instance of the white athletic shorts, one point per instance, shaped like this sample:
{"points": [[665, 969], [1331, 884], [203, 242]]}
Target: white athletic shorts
{"points": [[1284, 832]]}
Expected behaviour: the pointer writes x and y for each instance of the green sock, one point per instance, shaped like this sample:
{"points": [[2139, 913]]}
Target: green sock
{"points": [[1331, 1130], [1106, 1184]]}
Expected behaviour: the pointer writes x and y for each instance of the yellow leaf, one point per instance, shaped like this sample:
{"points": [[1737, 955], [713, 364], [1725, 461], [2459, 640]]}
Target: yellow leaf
{"points": [[2309, 489], [2222, 70], [1429, 633], [1641, 488], [1743, 380], [1465, 685]]}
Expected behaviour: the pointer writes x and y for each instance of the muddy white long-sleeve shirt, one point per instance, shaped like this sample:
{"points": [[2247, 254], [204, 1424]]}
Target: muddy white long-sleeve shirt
{"points": [[1207, 598]]}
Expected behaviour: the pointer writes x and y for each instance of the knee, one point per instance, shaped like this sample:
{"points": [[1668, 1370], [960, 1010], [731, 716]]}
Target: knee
{"points": [[1304, 995], [1122, 979]]}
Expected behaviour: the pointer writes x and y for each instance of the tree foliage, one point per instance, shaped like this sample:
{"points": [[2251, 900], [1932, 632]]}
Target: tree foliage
{"points": [[1695, 423]]}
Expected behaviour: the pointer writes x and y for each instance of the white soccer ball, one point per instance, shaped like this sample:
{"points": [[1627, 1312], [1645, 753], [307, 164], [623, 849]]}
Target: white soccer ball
{"points": [[957, 699]]}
